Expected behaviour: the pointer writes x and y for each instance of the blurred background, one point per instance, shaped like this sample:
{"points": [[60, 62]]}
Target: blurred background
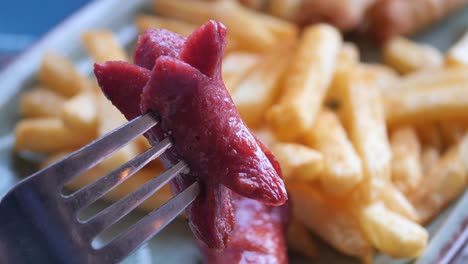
{"points": [[23, 22]]}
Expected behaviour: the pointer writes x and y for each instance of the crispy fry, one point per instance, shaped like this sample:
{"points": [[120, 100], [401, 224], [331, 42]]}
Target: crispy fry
{"points": [[307, 81], [435, 104], [265, 135], [80, 113], [364, 118], [258, 89], [384, 76], [457, 55], [444, 182], [407, 56], [41, 102], [406, 167], [391, 233], [236, 66], [128, 186], [60, 75], [329, 218], [102, 46], [342, 169], [247, 30], [47, 135], [298, 162], [300, 240]]}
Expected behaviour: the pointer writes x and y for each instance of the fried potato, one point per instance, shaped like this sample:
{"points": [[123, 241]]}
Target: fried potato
{"points": [[384, 76], [364, 119], [306, 83], [298, 162], [248, 30], [342, 169], [258, 89], [47, 135], [438, 103], [128, 186], [144, 22], [452, 131], [406, 156], [109, 118], [330, 219], [236, 66], [457, 55], [60, 75], [391, 233], [300, 240], [407, 56], [265, 135], [447, 178], [41, 102], [80, 113], [102, 46], [282, 30]]}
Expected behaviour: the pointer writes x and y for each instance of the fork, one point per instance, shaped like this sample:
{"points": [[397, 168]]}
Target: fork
{"points": [[40, 224]]}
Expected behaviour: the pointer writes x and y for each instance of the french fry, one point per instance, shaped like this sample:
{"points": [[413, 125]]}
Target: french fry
{"points": [[298, 162], [80, 113], [144, 22], [394, 199], [47, 135], [452, 131], [391, 233], [236, 66], [330, 219], [110, 118], [265, 135], [384, 76], [406, 166], [429, 158], [60, 75], [447, 179], [258, 89], [407, 56], [457, 55], [128, 186], [365, 121], [282, 30], [41, 102], [342, 169], [247, 30], [439, 103], [300, 240], [308, 79], [102, 46]]}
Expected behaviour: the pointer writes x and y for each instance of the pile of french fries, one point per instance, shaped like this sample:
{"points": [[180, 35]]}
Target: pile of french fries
{"points": [[369, 152]]}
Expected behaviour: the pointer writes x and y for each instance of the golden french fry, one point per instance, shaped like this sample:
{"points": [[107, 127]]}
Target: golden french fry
{"points": [[452, 131], [144, 22], [110, 118], [365, 121], [342, 169], [300, 240], [258, 89], [385, 77], [330, 219], [60, 75], [41, 102], [307, 80], [446, 180], [391, 233], [282, 30], [406, 166], [407, 56], [248, 31], [102, 46], [80, 113], [439, 103], [128, 186], [47, 135], [236, 66], [297, 161], [457, 55], [265, 135], [394, 199]]}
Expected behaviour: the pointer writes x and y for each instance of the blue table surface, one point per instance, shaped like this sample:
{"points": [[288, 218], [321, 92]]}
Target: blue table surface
{"points": [[22, 22]]}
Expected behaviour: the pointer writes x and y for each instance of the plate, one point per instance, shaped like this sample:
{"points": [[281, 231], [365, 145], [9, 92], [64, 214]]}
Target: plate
{"points": [[175, 244]]}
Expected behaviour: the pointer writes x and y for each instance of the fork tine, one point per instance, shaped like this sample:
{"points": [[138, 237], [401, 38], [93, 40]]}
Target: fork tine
{"points": [[149, 226], [88, 156], [105, 184], [121, 208]]}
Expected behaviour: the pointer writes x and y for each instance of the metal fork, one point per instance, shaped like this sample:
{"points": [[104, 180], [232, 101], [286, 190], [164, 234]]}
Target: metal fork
{"points": [[40, 224]]}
